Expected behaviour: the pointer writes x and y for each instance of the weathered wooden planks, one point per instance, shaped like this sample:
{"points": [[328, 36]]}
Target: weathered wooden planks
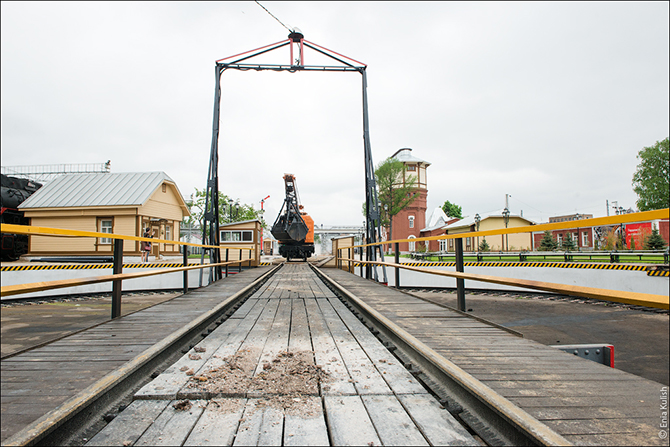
{"points": [[91, 354], [585, 402], [368, 396]]}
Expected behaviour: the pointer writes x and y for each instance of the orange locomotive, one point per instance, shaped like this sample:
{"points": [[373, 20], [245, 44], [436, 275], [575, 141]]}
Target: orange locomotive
{"points": [[294, 229]]}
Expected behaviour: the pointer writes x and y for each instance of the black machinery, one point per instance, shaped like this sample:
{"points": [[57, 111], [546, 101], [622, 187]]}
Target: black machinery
{"points": [[14, 192], [294, 229]]}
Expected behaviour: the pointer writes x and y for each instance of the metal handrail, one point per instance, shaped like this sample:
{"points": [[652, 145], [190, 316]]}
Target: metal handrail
{"points": [[635, 298], [610, 255], [643, 216], [118, 277]]}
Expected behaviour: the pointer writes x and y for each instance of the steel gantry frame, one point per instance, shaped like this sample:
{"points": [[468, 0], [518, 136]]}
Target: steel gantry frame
{"points": [[211, 215]]}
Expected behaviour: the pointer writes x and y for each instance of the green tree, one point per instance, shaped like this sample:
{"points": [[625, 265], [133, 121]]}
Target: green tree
{"points": [[654, 241], [548, 243], [452, 210], [239, 212], [651, 179], [394, 194], [568, 242], [484, 246]]}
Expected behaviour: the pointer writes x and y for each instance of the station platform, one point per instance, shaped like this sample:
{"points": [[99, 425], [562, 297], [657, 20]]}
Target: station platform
{"points": [[585, 402]]}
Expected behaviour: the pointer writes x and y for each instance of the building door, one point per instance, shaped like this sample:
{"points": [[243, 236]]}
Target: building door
{"points": [[156, 234]]}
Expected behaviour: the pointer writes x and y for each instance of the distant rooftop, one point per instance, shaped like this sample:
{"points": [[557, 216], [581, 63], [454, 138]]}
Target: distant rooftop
{"points": [[405, 155], [97, 189]]}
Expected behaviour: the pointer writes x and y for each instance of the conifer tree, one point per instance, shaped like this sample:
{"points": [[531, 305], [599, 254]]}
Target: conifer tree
{"points": [[484, 246], [548, 243], [568, 243], [654, 241]]}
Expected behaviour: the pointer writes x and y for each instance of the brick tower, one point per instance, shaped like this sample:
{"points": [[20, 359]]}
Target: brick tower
{"points": [[409, 222]]}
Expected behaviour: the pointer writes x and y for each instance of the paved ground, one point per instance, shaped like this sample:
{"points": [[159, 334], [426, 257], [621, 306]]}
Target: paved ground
{"points": [[640, 338], [32, 324]]}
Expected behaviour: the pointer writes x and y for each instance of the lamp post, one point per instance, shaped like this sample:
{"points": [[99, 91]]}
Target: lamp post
{"points": [[506, 218], [477, 220], [230, 210]]}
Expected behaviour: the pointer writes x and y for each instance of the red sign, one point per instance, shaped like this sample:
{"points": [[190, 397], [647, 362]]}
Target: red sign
{"points": [[636, 234]]}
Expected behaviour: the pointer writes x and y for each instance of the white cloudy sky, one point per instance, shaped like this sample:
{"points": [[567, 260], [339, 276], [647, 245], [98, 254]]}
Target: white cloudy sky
{"points": [[548, 102]]}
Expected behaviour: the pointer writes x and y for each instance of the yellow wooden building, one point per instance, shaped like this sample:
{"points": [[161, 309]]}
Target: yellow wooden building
{"points": [[119, 203], [493, 221], [243, 239]]}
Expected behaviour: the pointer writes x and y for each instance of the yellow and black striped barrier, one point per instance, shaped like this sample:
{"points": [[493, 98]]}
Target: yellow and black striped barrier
{"points": [[563, 265], [15, 268]]}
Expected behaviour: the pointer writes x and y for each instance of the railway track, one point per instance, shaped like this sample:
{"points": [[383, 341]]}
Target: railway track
{"points": [[482, 412], [537, 296]]}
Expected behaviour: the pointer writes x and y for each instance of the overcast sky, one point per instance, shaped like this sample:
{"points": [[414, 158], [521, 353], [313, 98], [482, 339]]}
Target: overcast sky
{"points": [[547, 102]]}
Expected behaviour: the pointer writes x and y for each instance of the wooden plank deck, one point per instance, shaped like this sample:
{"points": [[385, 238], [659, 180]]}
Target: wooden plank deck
{"points": [[587, 403], [37, 381], [290, 367]]}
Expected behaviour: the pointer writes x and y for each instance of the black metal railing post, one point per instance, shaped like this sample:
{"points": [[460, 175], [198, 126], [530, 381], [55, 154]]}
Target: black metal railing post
{"points": [[349, 262], [226, 264], [360, 255], [116, 284], [185, 271], [397, 261], [240, 264], [460, 283]]}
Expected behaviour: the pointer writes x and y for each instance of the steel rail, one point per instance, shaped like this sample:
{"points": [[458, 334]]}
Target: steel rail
{"points": [[617, 296], [491, 416], [58, 425]]}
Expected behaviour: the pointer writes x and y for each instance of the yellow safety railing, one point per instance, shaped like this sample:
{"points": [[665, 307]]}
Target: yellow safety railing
{"points": [[117, 277], [641, 299], [643, 216]]}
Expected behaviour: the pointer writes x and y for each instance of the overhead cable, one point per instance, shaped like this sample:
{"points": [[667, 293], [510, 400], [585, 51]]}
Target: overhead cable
{"points": [[266, 10]]}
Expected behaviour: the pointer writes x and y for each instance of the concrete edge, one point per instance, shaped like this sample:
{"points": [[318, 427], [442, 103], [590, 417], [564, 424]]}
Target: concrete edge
{"points": [[46, 424], [535, 429]]}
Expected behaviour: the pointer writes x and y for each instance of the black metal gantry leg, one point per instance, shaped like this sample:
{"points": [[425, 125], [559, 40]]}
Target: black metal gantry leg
{"points": [[210, 225], [372, 221]]}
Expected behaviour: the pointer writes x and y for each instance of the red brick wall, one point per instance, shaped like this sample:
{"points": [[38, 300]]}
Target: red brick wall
{"points": [[663, 230], [537, 238], [401, 229]]}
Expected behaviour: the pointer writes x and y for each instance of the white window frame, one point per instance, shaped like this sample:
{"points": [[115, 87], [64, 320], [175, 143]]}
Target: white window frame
{"points": [[412, 245], [411, 221], [443, 245], [237, 236], [559, 238], [106, 229], [585, 238]]}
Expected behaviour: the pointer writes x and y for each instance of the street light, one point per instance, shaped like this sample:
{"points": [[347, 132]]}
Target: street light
{"points": [[506, 218], [262, 222], [477, 220]]}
